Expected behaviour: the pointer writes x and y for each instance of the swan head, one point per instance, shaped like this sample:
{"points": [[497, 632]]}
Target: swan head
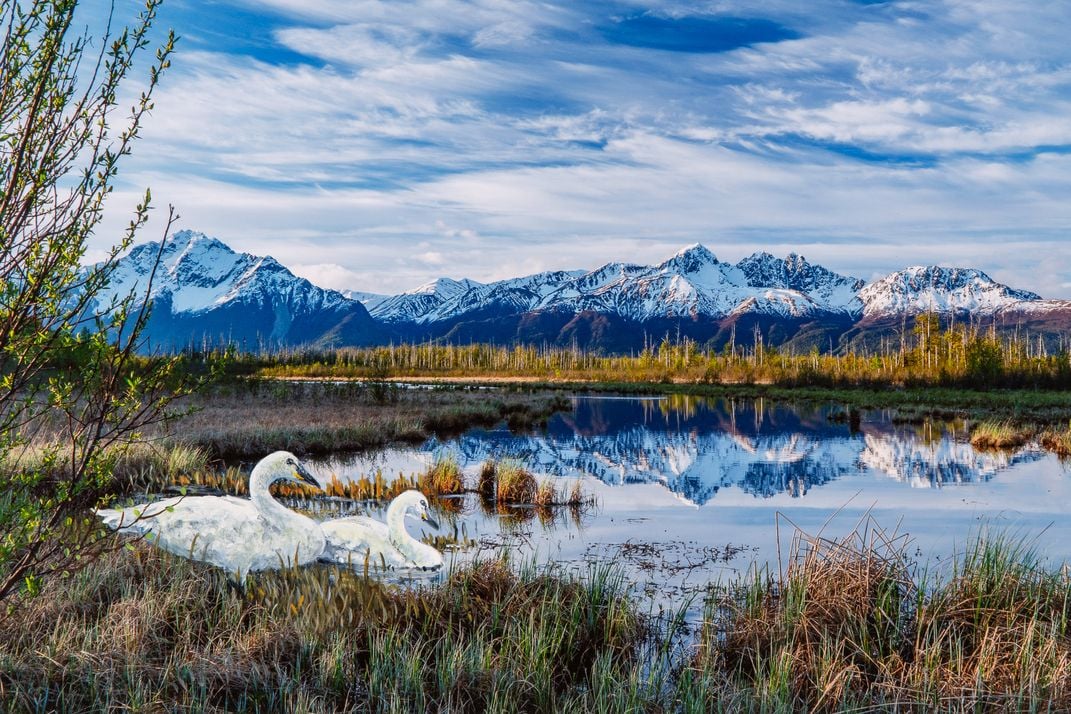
{"points": [[415, 503], [284, 466]]}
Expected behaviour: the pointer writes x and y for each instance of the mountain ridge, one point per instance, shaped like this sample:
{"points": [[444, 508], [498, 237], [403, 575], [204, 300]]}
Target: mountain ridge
{"points": [[206, 292]]}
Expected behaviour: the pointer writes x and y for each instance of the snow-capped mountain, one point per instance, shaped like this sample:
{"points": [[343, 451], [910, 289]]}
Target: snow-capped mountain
{"points": [[922, 289], [693, 283], [620, 306], [205, 292]]}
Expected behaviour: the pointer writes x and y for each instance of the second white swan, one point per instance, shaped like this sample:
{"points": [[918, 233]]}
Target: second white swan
{"points": [[360, 539]]}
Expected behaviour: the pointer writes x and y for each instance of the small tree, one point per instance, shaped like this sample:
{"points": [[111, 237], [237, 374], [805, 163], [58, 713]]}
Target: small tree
{"points": [[73, 389]]}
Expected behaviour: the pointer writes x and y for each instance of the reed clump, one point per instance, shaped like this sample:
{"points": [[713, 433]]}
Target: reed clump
{"points": [[545, 495], [443, 478], [515, 484], [486, 481], [1057, 440], [852, 625], [1000, 435]]}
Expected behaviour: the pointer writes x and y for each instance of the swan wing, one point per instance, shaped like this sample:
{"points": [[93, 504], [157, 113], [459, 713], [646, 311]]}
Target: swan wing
{"points": [[359, 538], [354, 533], [226, 531], [144, 517]]}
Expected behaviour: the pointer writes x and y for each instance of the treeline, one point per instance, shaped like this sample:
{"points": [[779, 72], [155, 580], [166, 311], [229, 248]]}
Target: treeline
{"points": [[927, 355]]}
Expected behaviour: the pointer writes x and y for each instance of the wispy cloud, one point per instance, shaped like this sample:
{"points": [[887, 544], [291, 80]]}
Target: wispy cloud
{"points": [[391, 142]]}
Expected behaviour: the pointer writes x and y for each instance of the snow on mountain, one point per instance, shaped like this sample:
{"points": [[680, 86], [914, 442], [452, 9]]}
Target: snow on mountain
{"points": [[831, 291], [203, 290], [921, 289], [693, 283], [369, 300], [422, 303]]}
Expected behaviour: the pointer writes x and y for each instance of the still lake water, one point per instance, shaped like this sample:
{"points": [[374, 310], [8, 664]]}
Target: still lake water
{"points": [[689, 489]]}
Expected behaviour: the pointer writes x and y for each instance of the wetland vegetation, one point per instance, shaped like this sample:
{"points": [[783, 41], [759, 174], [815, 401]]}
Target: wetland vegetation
{"points": [[850, 624]]}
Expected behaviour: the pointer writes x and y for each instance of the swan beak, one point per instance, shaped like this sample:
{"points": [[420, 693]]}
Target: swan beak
{"points": [[426, 517], [302, 474]]}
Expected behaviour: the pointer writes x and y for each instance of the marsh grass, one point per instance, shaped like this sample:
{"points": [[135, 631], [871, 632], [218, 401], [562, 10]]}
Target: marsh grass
{"points": [[546, 494], [1057, 440], [249, 418], [852, 625], [486, 480], [134, 466], [443, 478], [142, 630], [1000, 435], [515, 484]]}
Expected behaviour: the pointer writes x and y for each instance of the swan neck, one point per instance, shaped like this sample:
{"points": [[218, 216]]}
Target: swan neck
{"points": [[399, 536], [263, 501]]}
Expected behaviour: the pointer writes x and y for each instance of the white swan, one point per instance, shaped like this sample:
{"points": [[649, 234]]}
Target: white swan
{"points": [[359, 539], [232, 533]]}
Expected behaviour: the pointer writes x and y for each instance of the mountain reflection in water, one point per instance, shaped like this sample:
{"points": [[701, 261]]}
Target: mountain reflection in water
{"points": [[686, 477], [695, 447]]}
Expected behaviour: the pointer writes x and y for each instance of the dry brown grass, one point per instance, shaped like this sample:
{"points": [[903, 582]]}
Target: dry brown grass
{"points": [[850, 626], [250, 419]]}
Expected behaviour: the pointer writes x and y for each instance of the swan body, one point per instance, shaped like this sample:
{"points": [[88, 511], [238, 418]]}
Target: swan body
{"points": [[361, 539], [235, 534]]}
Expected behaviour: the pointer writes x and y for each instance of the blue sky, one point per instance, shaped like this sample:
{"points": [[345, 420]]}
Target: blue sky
{"points": [[376, 144]]}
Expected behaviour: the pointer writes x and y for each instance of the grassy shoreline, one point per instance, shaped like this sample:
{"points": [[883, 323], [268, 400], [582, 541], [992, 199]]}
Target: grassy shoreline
{"points": [[852, 624], [247, 419], [1019, 404]]}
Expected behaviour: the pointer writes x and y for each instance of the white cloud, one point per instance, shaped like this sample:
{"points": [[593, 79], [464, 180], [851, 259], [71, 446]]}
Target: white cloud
{"points": [[492, 137]]}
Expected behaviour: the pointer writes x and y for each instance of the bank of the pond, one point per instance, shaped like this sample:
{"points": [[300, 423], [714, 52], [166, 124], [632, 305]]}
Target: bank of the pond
{"points": [[247, 419], [1022, 405], [851, 625]]}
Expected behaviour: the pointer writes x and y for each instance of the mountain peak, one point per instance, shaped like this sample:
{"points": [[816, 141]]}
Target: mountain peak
{"points": [[213, 293], [185, 239], [934, 288], [696, 250], [690, 259]]}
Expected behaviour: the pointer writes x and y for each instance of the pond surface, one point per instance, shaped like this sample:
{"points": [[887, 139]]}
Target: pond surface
{"points": [[691, 490]]}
